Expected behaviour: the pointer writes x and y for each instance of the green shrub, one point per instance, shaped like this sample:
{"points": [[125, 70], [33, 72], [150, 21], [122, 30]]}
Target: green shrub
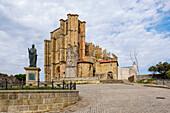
{"points": [[147, 81], [81, 83], [20, 77]]}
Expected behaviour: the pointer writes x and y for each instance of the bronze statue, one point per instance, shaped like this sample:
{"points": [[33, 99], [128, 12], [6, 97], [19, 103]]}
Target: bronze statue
{"points": [[32, 56]]}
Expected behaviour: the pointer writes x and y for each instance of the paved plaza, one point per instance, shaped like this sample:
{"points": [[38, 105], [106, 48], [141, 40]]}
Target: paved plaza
{"points": [[121, 98]]}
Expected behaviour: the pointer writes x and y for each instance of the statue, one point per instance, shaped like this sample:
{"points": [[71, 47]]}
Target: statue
{"points": [[32, 56]]}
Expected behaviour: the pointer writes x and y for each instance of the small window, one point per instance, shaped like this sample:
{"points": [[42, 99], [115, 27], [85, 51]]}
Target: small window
{"points": [[110, 65]]}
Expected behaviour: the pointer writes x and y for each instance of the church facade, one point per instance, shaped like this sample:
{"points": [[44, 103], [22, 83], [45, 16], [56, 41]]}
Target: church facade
{"points": [[67, 55]]}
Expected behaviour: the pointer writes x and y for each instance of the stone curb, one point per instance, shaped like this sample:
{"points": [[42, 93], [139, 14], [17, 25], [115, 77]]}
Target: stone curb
{"points": [[128, 83], [156, 86]]}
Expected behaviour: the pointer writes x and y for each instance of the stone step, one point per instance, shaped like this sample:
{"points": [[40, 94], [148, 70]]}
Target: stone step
{"points": [[126, 81], [111, 81]]}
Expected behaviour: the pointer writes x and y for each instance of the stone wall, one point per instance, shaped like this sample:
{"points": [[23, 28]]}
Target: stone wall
{"points": [[89, 80], [104, 68], [123, 73], [127, 73], [149, 76], [85, 70], [22, 101], [71, 62], [47, 60]]}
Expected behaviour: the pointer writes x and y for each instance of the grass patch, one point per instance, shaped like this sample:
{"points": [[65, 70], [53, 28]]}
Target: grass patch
{"points": [[81, 83], [147, 81], [34, 88]]}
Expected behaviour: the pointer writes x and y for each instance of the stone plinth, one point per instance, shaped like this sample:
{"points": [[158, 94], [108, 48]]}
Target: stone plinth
{"points": [[32, 75]]}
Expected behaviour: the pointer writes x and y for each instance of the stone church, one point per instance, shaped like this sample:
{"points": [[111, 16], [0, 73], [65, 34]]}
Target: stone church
{"points": [[67, 55]]}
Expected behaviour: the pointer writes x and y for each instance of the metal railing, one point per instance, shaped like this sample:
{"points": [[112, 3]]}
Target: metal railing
{"points": [[53, 84], [163, 81], [69, 85], [5, 83]]}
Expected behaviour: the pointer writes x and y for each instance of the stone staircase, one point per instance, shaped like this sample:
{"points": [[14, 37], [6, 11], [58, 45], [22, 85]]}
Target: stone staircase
{"points": [[111, 81], [127, 82]]}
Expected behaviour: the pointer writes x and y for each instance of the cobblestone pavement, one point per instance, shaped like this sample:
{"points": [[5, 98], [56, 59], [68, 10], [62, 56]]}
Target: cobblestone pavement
{"points": [[120, 98]]}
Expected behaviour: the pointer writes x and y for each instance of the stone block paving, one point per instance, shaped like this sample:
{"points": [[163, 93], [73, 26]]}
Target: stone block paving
{"points": [[119, 98]]}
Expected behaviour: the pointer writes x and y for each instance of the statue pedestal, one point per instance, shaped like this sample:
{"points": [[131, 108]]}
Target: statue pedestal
{"points": [[32, 76]]}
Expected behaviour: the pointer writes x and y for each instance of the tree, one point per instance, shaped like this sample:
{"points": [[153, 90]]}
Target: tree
{"points": [[135, 61], [20, 76], [168, 74], [161, 68], [153, 69], [4, 74]]}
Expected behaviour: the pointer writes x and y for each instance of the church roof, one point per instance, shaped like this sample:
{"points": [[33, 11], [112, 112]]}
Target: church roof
{"points": [[83, 61], [55, 30]]}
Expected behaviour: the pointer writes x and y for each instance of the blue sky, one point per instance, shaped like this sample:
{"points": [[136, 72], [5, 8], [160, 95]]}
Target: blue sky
{"points": [[120, 26]]}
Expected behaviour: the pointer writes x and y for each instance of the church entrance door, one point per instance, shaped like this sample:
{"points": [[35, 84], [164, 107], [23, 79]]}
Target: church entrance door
{"points": [[110, 75]]}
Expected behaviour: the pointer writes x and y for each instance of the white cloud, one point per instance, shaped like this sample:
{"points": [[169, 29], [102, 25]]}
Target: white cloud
{"points": [[167, 5], [120, 26]]}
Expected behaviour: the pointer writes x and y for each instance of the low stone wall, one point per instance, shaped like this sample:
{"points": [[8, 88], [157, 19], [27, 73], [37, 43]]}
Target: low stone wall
{"points": [[28, 101], [146, 76], [80, 78], [151, 76], [89, 80]]}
